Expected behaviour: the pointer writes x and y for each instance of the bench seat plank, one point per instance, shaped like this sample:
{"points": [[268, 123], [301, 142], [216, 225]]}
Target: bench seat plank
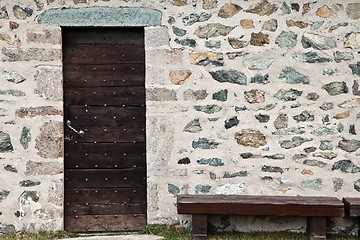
{"points": [[260, 205]]}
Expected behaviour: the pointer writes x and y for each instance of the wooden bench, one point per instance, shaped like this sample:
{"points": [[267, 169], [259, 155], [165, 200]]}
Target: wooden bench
{"points": [[316, 209], [352, 208]]}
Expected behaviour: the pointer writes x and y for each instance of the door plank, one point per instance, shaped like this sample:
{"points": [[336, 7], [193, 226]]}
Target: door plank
{"points": [[105, 209], [107, 223]]}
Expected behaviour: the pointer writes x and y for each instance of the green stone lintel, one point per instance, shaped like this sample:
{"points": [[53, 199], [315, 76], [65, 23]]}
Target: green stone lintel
{"points": [[101, 17]]}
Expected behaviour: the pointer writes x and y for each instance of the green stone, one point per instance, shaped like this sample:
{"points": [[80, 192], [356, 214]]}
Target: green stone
{"points": [[310, 57], [258, 64], [178, 31], [315, 163], [15, 93], [315, 184], [326, 145], [275, 156], [186, 42], [355, 68], [194, 18], [205, 143], [317, 41], [209, 109], [345, 166], [260, 79], [210, 161], [349, 145], [293, 77], [101, 17], [236, 174], [202, 189], [263, 118], [281, 121], [272, 169], [230, 76], [288, 95], [317, 25], [336, 88], [305, 116], [5, 143], [323, 131], [3, 194], [193, 126], [25, 138], [343, 56], [213, 30], [28, 183], [326, 155], [286, 39], [216, 44], [285, 8], [294, 142], [220, 95], [174, 190], [13, 77], [28, 196], [289, 131]]}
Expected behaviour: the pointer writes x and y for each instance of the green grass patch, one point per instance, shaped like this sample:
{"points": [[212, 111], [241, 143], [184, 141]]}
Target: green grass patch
{"points": [[38, 235]]}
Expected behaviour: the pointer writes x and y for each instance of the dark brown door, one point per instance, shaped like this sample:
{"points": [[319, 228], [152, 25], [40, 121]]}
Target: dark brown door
{"points": [[104, 117]]}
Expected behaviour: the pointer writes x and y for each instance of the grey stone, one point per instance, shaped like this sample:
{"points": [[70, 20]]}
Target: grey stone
{"points": [[186, 42], [260, 79], [285, 8], [210, 44], [338, 183], [289, 131], [336, 88], [202, 189], [213, 30], [13, 77], [231, 122], [330, 72], [326, 119], [174, 190], [296, 105], [339, 127], [272, 169], [209, 109], [12, 92], [15, 54], [356, 88], [230, 76], [230, 189], [194, 95], [193, 126], [294, 142], [323, 131], [316, 163], [293, 77], [263, 118], [270, 25], [236, 174], [310, 149], [49, 36], [220, 95], [28, 183], [49, 142], [352, 40], [326, 145], [332, 28], [56, 192], [160, 94], [326, 155], [29, 196], [349, 145], [25, 137], [237, 44], [184, 161], [295, 6], [299, 156], [346, 166], [310, 57], [210, 161], [229, 10], [250, 137], [246, 155], [258, 64], [343, 56], [286, 39], [101, 17], [281, 121], [233, 55], [22, 13], [7, 228], [317, 41], [43, 168], [49, 83], [352, 129], [5, 143], [157, 36], [275, 156], [326, 106], [4, 194], [315, 184], [268, 107], [205, 143], [303, 117], [353, 10], [263, 8], [194, 18], [240, 108], [3, 13], [10, 168], [316, 25], [288, 95], [179, 32], [357, 185], [355, 68]]}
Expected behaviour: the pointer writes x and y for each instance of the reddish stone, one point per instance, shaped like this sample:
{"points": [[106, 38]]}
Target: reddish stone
{"points": [[13, 25], [37, 111], [254, 96]]}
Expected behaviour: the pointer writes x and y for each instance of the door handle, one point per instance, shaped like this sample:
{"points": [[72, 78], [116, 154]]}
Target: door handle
{"points": [[80, 132]]}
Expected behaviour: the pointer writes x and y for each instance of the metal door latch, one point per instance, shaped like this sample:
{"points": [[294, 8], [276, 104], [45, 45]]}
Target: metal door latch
{"points": [[80, 132]]}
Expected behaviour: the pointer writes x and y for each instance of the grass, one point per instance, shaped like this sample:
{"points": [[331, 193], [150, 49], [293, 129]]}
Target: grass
{"points": [[176, 233]]}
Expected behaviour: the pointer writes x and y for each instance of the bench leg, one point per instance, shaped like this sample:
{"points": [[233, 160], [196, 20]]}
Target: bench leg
{"points": [[316, 228], [199, 227]]}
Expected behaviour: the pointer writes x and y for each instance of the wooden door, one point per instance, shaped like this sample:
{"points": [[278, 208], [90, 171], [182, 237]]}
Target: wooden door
{"points": [[104, 101]]}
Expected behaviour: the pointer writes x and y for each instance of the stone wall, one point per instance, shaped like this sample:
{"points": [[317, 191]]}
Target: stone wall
{"points": [[243, 97]]}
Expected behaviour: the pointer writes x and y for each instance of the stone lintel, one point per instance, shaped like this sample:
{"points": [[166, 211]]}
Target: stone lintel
{"points": [[101, 17]]}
